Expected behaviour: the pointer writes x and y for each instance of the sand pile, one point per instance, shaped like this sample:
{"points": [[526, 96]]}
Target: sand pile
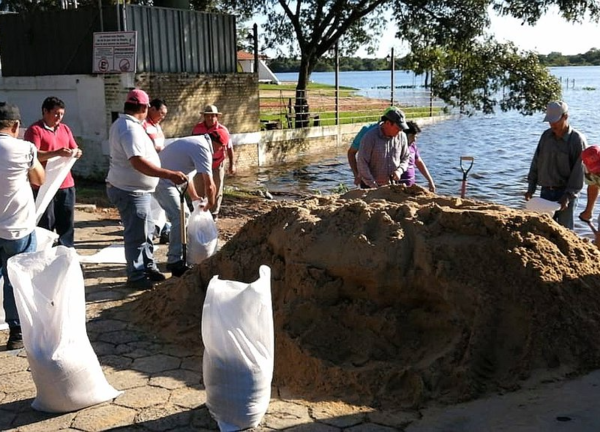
{"points": [[401, 296]]}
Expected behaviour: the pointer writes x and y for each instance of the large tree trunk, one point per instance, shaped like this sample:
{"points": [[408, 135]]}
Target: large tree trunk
{"points": [[301, 105]]}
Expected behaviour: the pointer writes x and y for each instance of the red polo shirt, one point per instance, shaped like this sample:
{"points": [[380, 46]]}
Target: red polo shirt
{"points": [[219, 155], [46, 139]]}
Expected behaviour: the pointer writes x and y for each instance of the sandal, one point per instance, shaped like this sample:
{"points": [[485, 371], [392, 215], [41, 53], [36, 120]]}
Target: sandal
{"points": [[584, 220]]}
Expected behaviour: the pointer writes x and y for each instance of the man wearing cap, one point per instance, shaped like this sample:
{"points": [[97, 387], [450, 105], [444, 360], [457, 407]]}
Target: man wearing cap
{"points": [[353, 149], [186, 155], [556, 164], [383, 154], [132, 177], [19, 169], [54, 138], [591, 162], [209, 124]]}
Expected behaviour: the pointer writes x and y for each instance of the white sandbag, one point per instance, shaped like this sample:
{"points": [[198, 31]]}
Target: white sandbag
{"points": [[238, 336], [45, 239], [541, 205], [50, 297], [202, 236]]}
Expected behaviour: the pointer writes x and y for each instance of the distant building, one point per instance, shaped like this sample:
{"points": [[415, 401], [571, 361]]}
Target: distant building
{"points": [[246, 63]]}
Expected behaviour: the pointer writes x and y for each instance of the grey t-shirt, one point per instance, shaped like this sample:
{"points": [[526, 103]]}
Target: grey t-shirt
{"points": [[186, 155]]}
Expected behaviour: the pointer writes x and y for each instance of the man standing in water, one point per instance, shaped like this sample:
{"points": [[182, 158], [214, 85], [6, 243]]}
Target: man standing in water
{"points": [[383, 155], [556, 164]]}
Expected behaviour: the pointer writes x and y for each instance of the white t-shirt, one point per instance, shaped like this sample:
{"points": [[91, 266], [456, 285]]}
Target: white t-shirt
{"points": [[186, 155], [127, 138], [17, 206]]}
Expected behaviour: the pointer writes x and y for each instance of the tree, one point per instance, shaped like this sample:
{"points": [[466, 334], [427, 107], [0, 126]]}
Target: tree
{"points": [[446, 32]]}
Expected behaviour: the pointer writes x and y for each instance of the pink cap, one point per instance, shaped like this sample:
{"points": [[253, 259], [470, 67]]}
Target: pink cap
{"points": [[591, 159], [137, 96]]}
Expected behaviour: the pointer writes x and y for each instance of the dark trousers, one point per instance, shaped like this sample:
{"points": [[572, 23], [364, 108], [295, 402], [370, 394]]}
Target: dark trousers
{"points": [[60, 216]]}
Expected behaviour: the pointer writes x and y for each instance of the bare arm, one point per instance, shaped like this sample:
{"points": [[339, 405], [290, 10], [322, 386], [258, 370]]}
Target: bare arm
{"points": [[230, 156], [36, 174], [353, 166], [423, 170], [210, 190], [145, 167], [592, 196]]}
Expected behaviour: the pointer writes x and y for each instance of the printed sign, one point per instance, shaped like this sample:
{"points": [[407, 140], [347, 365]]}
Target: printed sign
{"points": [[115, 52]]}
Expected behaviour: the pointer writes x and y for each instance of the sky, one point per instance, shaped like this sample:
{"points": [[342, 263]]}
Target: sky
{"points": [[551, 34]]}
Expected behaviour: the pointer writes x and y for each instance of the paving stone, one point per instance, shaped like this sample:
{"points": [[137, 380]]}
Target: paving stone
{"points": [[371, 427], [6, 419], [193, 363], [395, 419], [36, 421], [175, 379], [176, 351], [127, 379], [282, 415], [188, 397], [104, 325], [119, 337], [143, 397], [102, 348], [201, 418], [339, 414], [19, 400], [138, 353], [163, 418], [115, 362], [16, 382], [313, 427], [103, 417], [156, 363], [13, 363]]}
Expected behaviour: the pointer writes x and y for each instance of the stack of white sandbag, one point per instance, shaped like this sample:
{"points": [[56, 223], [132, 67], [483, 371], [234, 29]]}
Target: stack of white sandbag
{"points": [[50, 296], [238, 336]]}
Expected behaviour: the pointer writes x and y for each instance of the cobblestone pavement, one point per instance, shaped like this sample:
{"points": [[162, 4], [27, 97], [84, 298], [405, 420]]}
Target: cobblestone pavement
{"points": [[163, 389]]}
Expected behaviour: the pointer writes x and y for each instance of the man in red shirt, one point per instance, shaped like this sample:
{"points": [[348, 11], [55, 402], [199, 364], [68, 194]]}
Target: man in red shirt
{"points": [[210, 124], [53, 138], [157, 111]]}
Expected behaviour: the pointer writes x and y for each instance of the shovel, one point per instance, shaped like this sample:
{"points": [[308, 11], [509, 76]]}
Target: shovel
{"points": [[181, 270], [465, 171]]}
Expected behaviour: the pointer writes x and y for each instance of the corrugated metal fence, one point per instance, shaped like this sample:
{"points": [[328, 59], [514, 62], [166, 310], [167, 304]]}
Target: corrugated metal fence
{"points": [[168, 40]]}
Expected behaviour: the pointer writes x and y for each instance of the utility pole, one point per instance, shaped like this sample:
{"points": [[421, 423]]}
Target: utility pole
{"points": [[393, 67], [255, 30]]}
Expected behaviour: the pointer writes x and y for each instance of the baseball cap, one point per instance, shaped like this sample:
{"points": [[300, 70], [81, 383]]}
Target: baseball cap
{"points": [[591, 159], [211, 109], [137, 96], [9, 111], [396, 115], [220, 136], [555, 111]]}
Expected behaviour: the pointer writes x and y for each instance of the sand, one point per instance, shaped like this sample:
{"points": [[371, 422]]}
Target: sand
{"points": [[397, 297]]}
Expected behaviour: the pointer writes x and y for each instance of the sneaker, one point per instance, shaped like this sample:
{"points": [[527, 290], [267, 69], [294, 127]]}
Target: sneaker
{"points": [[154, 275], [140, 284], [15, 339], [164, 237], [177, 268]]}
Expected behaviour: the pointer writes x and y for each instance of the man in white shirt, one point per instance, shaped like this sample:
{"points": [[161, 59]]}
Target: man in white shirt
{"points": [[19, 169], [132, 177]]}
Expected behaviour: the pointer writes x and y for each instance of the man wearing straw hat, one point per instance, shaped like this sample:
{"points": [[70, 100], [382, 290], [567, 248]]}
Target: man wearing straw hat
{"points": [[209, 124]]}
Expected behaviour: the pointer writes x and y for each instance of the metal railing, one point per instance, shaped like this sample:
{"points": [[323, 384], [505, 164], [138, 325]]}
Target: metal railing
{"points": [[282, 109]]}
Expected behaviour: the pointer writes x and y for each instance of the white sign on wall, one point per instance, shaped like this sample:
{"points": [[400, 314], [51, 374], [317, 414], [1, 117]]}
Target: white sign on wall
{"points": [[115, 52]]}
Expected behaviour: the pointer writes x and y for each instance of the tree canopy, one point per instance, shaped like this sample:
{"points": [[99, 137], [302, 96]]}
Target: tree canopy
{"points": [[448, 37]]}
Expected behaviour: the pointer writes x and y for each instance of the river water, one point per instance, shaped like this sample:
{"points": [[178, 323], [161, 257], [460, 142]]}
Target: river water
{"points": [[502, 144]]}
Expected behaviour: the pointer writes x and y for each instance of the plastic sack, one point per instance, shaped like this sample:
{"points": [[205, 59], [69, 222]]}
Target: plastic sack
{"points": [[238, 336], [50, 297], [541, 205], [45, 240], [202, 236]]}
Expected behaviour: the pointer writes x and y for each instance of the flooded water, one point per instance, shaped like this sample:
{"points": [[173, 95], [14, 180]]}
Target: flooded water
{"points": [[502, 146]]}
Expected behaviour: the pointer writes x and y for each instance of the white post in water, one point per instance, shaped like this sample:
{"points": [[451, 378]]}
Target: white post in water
{"points": [[392, 78]]}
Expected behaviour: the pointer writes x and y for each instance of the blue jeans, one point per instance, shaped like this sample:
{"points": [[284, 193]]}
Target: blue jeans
{"points": [[138, 228], [169, 199], [60, 216], [565, 217], [10, 248]]}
